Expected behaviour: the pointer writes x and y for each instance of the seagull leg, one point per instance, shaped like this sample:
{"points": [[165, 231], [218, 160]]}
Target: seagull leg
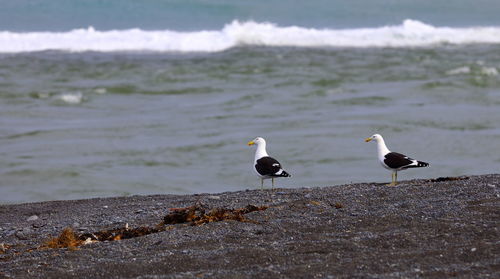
{"points": [[262, 183], [272, 182], [393, 183], [395, 178]]}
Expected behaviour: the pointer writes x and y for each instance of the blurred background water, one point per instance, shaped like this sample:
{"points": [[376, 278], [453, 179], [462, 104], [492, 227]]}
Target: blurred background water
{"points": [[107, 98]]}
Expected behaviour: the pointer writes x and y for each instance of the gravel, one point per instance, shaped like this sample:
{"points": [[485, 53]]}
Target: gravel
{"points": [[447, 227]]}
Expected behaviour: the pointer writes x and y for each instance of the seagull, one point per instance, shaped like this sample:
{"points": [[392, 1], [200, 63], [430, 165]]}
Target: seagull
{"points": [[394, 161], [265, 166]]}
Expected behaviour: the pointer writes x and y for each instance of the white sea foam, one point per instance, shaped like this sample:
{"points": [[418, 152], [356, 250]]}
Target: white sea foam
{"points": [[71, 98], [459, 71], [489, 71], [480, 69], [100, 90], [410, 33]]}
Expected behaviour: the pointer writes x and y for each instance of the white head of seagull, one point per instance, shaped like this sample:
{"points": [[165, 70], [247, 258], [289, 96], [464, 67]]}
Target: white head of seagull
{"points": [[394, 161], [265, 166], [261, 147], [381, 147]]}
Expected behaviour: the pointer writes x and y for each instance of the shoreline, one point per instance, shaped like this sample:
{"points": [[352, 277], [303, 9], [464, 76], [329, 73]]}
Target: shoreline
{"points": [[437, 228]]}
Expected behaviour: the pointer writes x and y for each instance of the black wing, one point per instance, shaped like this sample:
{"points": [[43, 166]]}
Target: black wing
{"points": [[267, 166], [396, 160]]}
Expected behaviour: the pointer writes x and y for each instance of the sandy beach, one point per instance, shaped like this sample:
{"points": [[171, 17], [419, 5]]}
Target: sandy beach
{"points": [[433, 228]]}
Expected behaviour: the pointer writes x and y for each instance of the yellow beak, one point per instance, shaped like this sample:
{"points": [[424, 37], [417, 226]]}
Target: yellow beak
{"points": [[251, 143], [368, 139]]}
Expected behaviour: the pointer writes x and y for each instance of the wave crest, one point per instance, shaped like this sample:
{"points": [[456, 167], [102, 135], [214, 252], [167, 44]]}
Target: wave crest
{"points": [[411, 33]]}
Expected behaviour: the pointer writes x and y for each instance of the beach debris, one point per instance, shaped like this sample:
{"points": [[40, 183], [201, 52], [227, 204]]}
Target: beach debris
{"points": [[67, 239], [317, 203], [449, 178], [194, 215], [181, 215], [4, 247], [117, 234], [197, 214]]}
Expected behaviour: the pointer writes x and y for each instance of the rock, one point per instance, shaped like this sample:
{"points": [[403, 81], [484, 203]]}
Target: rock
{"points": [[38, 224], [32, 218], [23, 234], [10, 232]]}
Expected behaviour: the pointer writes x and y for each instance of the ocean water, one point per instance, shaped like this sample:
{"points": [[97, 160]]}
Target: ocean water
{"points": [[111, 98]]}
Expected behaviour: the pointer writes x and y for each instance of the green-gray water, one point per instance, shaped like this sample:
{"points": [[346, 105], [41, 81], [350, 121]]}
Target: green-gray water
{"points": [[80, 125]]}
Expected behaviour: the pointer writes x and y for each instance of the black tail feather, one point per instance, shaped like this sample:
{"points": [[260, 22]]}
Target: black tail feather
{"points": [[420, 164], [284, 174]]}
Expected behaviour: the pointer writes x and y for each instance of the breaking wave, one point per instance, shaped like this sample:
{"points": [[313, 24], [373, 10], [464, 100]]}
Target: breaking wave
{"points": [[410, 33]]}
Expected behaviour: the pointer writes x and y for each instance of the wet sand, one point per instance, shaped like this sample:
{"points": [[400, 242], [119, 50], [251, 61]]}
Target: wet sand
{"points": [[421, 228]]}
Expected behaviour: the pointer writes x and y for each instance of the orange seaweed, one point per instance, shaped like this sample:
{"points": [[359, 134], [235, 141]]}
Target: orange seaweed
{"points": [[67, 239], [193, 215]]}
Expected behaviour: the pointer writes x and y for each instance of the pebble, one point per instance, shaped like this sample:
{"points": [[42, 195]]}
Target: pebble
{"points": [[214, 197], [10, 232], [22, 234], [39, 224], [32, 218]]}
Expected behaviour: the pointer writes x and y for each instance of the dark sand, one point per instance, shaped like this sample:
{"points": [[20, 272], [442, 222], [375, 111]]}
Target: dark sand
{"points": [[421, 228]]}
